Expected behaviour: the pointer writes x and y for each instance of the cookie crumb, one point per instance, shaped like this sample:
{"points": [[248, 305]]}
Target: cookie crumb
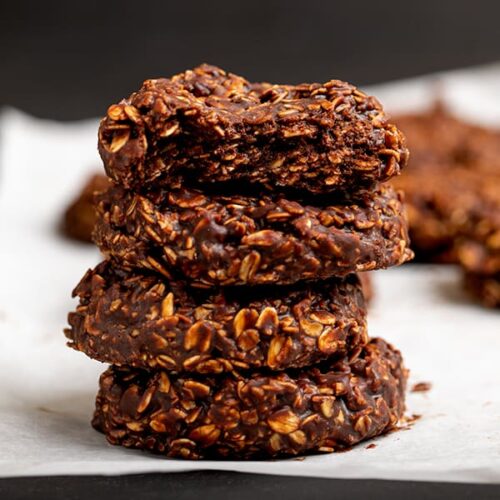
{"points": [[421, 387]]}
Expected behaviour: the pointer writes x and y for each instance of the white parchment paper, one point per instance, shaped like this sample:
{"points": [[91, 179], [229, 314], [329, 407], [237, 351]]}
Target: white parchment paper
{"points": [[47, 390]]}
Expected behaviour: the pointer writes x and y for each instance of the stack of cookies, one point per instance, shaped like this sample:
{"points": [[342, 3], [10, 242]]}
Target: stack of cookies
{"points": [[228, 304]]}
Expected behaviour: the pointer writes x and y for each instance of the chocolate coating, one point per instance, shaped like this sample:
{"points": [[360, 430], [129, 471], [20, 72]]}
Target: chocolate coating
{"points": [[437, 137], [147, 321], [320, 409], [216, 126], [235, 240]]}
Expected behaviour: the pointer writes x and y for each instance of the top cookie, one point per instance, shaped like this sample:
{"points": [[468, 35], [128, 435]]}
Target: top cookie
{"points": [[217, 127]]}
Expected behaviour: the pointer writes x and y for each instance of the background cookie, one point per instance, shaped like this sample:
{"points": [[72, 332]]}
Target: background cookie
{"points": [[80, 217]]}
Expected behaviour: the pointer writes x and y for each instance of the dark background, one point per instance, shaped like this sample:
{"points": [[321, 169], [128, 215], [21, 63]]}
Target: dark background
{"points": [[71, 59]]}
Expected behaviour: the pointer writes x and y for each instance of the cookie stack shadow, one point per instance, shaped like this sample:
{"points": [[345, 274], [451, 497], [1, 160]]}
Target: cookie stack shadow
{"points": [[228, 305]]}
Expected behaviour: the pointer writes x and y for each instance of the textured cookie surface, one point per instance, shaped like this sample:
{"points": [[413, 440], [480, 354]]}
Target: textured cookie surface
{"points": [[216, 126], [322, 409], [452, 177], [478, 248], [228, 240], [445, 206], [147, 321]]}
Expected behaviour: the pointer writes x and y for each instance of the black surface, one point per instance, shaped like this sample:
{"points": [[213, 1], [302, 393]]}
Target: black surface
{"points": [[222, 485], [64, 59]]}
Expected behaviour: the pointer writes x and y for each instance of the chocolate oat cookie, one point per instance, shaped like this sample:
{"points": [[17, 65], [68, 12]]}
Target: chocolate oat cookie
{"points": [[454, 170], [479, 253], [367, 287], [233, 240], [478, 250], [443, 207], [217, 126], [147, 321], [485, 287], [79, 218], [479, 244], [437, 137], [321, 409]]}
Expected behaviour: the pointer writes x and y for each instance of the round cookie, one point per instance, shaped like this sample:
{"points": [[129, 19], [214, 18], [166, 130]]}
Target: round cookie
{"points": [[453, 171], [443, 206], [478, 252], [439, 137], [321, 409], [366, 280], [485, 287], [235, 240], [215, 126], [147, 321], [80, 217], [478, 247]]}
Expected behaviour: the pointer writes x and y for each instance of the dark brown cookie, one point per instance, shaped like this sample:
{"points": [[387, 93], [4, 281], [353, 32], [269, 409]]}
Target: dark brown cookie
{"points": [[232, 240], [367, 287], [147, 321], [321, 409], [215, 126], [79, 218], [452, 192], [443, 208], [478, 247], [478, 251], [436, 137], [453, 173], [485, 287]]}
